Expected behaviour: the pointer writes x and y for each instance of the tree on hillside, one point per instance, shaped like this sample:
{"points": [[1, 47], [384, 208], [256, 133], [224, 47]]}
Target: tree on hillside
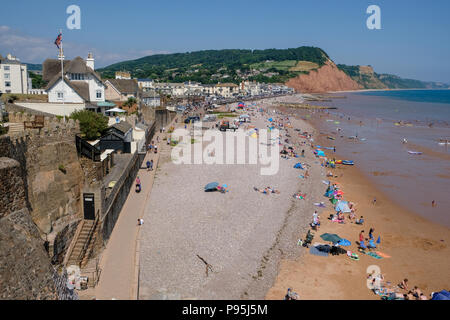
{"points": [[37, 81], [92, 124]]}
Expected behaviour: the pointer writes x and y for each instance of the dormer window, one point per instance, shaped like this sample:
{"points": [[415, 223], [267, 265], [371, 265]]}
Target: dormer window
{"points": [[77, 76]]}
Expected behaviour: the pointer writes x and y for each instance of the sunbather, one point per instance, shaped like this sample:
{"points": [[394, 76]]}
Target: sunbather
{"points": [[404, 284], [266, 190]]}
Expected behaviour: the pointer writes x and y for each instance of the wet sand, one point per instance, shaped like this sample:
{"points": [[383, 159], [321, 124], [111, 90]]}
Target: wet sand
{"points": [[419, 249]]}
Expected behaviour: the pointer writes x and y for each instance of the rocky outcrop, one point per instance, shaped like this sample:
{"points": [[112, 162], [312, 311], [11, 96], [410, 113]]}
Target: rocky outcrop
{"points": [[326, 78]]}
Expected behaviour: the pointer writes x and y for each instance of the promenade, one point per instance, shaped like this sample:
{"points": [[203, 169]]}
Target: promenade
{"points": [[118, 277]]}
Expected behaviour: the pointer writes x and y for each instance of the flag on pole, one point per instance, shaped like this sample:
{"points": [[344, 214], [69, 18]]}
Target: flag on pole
{"points": [[58, 40]]}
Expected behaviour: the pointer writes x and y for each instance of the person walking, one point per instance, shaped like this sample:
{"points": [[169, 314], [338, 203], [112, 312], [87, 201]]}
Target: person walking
{"points": [[371, 233], [156, 148], [148, 165], [361, 236], [151, 165]]}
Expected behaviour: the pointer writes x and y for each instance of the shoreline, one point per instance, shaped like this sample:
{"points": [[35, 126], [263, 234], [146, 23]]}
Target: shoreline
{"points": [[414, 243], [370, 90]]}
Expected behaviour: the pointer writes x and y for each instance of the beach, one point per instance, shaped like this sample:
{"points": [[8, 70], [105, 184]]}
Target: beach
{"points": [[418, 248], [244, 244], [241, 234]]}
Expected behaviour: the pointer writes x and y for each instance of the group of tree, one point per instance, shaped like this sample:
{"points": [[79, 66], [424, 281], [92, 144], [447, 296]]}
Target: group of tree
{"points": [[202, 65], [92, 124]]}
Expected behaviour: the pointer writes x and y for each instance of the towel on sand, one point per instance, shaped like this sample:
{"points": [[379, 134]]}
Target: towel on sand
{"points": [[381, 254], [313, 250]]}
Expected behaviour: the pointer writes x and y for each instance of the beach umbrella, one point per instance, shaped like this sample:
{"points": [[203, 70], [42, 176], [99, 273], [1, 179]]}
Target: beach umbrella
{"points": [[320, 153], [332, 237], [211, 186]]}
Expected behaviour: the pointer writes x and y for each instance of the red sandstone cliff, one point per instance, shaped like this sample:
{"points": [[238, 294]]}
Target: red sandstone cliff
{"points": [[326, 78]]}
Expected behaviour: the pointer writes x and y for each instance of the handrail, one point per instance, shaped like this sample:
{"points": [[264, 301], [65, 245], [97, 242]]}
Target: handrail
{"points": [[88, 240], [73, 242]]}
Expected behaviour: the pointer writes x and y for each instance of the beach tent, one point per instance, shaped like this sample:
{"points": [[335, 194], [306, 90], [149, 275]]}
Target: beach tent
{"points": [[342, 206], [344, 242], [212, 186], [332, 237], [298, 166], [443, 295], [320, 153]]}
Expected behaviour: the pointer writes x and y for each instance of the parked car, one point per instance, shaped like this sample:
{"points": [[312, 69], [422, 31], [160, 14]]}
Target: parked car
{"points": [[226, 125], [209, 117], [192, 118]]}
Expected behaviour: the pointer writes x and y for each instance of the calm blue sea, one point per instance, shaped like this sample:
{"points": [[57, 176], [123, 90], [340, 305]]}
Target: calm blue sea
{"points": [[436, 96], [413, 181]]}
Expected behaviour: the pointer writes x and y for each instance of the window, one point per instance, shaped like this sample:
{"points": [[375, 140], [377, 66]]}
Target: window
{"points": [[99, 94], [60, 95], [7, 83], [77, 76], [6, 68], [7, 76]]}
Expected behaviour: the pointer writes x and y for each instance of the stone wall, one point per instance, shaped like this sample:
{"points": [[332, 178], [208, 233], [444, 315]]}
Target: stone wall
{"points": [[52, 176], [25, 269], [12, 193]]}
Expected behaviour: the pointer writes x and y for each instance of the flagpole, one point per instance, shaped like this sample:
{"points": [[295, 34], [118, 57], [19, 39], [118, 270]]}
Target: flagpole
{"points": [[61, 54]]}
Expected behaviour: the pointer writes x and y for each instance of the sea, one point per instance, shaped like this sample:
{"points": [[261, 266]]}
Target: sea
{"points": [[371, 128]]}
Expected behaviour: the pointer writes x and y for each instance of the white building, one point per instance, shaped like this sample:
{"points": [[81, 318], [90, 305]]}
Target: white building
{"points": [[145, 84], [226, 90], [123, 75], [151, 99], [13, 75], [81, 83]]}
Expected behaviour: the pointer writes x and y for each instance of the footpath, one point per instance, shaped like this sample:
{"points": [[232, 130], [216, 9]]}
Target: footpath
{"points": [[119, 263]]}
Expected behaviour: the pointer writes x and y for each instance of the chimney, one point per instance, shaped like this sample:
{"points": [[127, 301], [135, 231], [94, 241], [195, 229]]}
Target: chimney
{"points": [[90, 61]]}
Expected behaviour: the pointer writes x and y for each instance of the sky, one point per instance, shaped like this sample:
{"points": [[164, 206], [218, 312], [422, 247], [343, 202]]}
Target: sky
{"points": [[413, 41]]}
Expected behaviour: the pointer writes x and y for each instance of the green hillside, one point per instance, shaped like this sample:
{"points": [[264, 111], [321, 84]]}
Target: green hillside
{"points": [[230, 65]]}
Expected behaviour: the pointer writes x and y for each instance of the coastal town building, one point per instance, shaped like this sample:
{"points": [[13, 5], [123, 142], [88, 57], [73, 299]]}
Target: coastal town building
{"points": [[151, 98], [123, 75], [121, 89], [81, 84], [226, 90], [13, 75], [145, 84]]}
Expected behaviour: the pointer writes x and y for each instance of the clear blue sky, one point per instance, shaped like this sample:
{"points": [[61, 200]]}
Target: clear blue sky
{"points": [[414, 40]]}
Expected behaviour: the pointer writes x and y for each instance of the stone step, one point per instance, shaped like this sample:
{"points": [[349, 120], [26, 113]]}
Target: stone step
{"points": [[15, 127]]}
